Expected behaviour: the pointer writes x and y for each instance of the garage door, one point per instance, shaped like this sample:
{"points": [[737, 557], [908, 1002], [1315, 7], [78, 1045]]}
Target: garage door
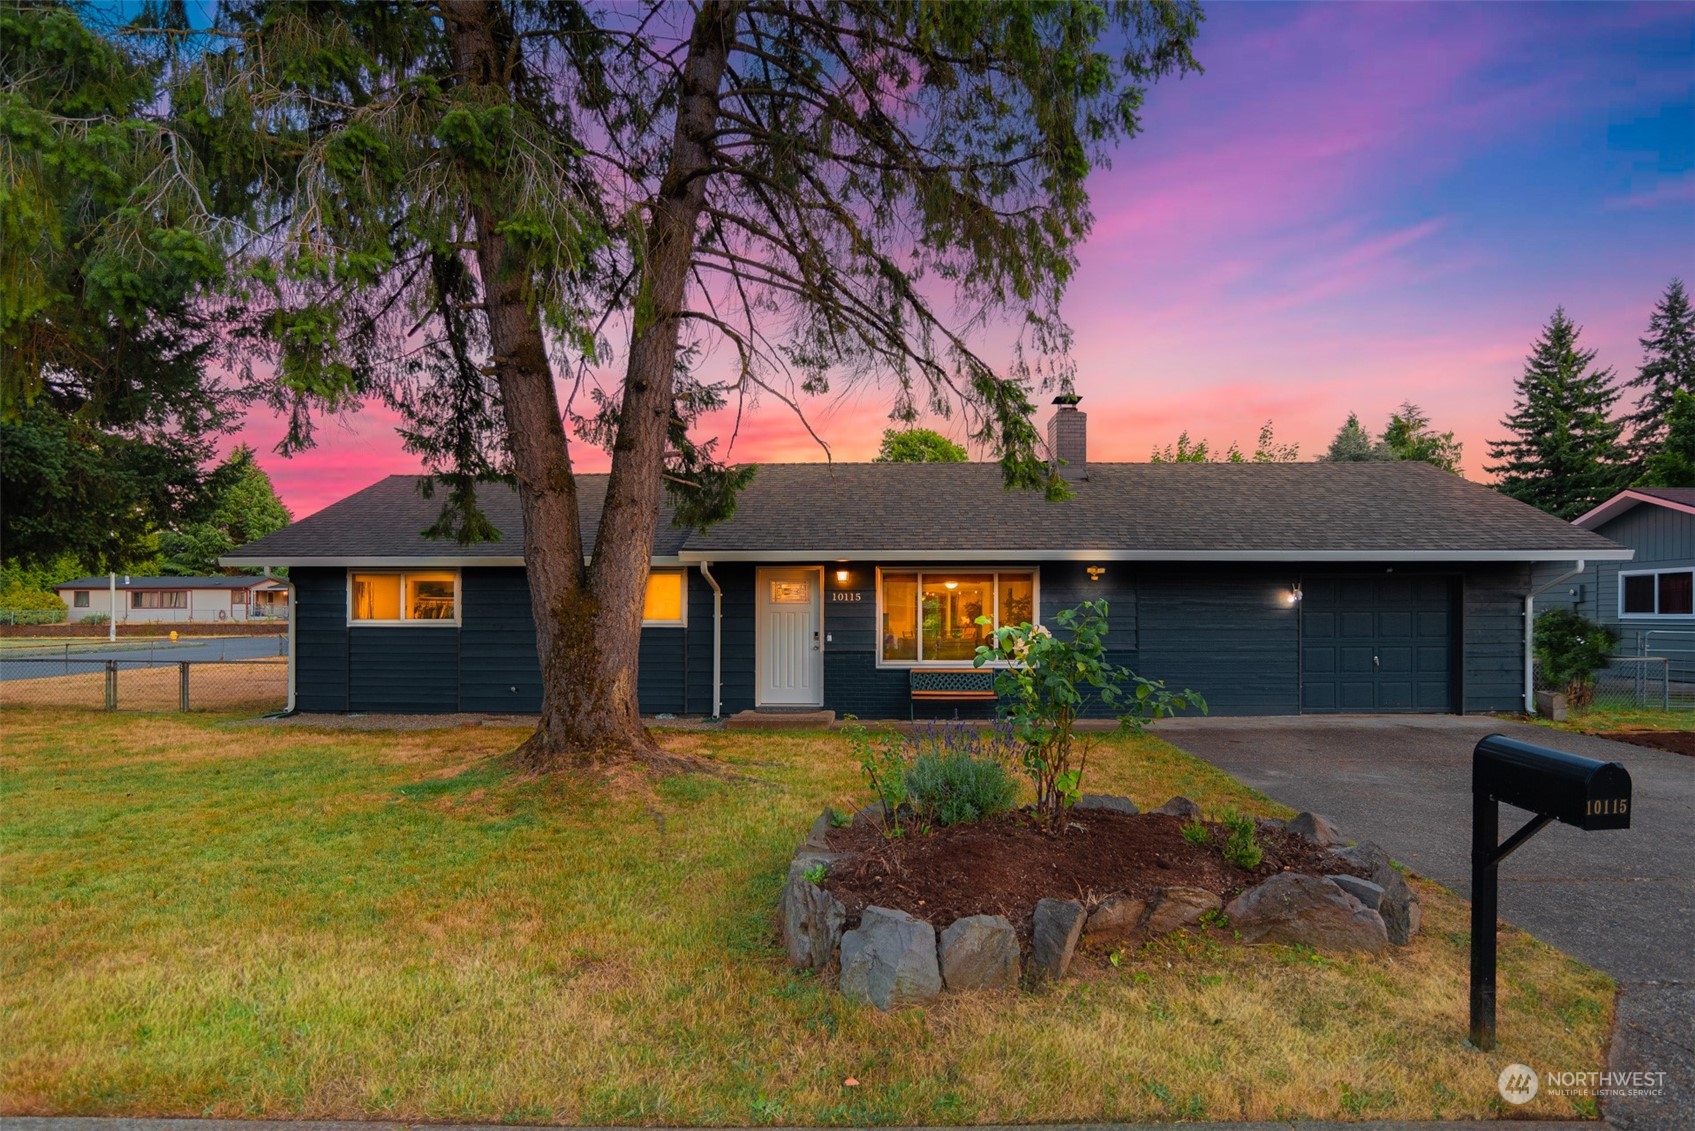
{"points": [[1380, 643]]}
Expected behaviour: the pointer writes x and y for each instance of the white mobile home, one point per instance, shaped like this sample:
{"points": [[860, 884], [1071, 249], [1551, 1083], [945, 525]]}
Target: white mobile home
{"points": [[177, 600]]}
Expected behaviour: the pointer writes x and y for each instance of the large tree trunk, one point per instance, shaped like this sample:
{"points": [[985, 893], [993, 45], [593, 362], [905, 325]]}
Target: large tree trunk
{"points": [[588, 619]]}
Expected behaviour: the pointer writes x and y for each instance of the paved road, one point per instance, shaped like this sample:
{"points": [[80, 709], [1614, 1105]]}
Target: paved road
{"points": [[1622, 901], [136, 654]]}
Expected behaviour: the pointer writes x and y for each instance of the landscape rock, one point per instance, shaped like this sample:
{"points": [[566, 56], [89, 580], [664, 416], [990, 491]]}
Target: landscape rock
{"points": [[980, 952], [818, 839], [1320, 830], [889, 960], [1181, 807], [1369, 894], [1399, 907], [805, 860], [1107, 802], [812, 924], [1180, 907], [1059, 924], [1306, 910], [1119, 919], [872, 814]]}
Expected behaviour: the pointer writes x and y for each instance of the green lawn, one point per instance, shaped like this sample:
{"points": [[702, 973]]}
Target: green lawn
{"points": [[198, 918], [1623, 718]]}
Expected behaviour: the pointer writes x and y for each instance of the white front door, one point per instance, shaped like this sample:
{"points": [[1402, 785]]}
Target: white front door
{"points": [[791, 648]]}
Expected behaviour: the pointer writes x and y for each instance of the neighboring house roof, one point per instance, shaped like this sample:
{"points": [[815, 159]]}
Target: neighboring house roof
{"points": [[1672, 498], [960, 511], [131, 582]]}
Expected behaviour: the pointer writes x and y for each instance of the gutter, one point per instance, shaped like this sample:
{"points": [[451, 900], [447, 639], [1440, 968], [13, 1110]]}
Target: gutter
{"points": [[717, 641], [1530, 630]]}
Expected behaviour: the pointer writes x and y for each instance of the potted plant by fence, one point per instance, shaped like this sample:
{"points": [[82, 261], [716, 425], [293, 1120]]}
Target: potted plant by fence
{"points": [[1050, 680]]}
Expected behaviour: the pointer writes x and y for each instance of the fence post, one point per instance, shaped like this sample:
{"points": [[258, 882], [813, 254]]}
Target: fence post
{"points": [[111, 685], [182, 669]]}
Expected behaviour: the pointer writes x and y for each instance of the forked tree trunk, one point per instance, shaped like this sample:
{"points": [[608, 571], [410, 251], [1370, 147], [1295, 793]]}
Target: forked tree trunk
{"points": [[588, 619]]}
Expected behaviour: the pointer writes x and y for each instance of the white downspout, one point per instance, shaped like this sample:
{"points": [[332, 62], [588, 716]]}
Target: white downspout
{"points": [[1530, 631], [717, 640]]}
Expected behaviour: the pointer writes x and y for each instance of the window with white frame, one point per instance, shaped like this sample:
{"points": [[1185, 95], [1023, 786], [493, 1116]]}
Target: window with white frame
{"points": [[930, 616], [424, 596], [1657, 593], [79, 598], [159, 599], [666, 604]]}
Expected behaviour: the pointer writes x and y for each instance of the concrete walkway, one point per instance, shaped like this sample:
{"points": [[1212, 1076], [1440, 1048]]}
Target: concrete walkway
{"points": [[1623, 902]]}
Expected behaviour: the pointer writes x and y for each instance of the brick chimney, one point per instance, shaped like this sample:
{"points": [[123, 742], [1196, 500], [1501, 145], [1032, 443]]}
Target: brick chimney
{"points": [[1068, 437]]}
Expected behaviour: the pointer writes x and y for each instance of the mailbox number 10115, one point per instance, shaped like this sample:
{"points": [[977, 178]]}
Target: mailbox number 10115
{"points": [[1608, 807]]}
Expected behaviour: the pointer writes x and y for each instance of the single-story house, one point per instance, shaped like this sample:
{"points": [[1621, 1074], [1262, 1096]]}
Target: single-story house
{"points": [[176, 600], [1269, 588], [1650, 599]]}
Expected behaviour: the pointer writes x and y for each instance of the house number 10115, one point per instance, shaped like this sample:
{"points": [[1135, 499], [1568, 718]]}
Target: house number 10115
{"points": [[842, 595]]}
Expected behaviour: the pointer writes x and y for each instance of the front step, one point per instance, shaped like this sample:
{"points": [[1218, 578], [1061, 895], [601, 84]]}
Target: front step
{"points": [[780, 720]]}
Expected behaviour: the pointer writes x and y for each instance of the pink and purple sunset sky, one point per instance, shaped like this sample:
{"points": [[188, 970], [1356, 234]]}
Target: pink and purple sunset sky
{"points": [[1356, 204]]}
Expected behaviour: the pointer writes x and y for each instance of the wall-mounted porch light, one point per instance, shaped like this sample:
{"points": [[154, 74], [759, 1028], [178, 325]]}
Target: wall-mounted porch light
{"points": [[1293, 597], [1095, 572], [842, 576]]}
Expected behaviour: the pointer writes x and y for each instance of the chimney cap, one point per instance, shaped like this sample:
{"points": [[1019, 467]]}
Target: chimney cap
{"points": [[1068, 400]]}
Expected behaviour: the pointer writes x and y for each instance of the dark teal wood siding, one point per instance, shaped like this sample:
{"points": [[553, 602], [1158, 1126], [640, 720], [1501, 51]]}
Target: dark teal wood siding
{"points": [[320, 638], [1225, 631], [1229, 633]]}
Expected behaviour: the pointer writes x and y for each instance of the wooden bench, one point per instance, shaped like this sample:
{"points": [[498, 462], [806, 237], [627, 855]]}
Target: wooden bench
{"points": [[954, 684]]}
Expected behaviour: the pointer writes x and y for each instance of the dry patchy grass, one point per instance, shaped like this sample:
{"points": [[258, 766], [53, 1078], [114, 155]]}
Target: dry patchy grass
{"points": [[199, 919]]}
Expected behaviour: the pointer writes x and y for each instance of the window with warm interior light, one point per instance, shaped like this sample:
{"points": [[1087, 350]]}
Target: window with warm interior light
{"points": [[1661, 593], [664, 604], [930, 616], [410, 597]]}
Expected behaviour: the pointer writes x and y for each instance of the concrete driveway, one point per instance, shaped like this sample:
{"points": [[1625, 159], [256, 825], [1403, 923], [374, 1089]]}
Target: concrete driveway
{"points": [[1623, 902]]}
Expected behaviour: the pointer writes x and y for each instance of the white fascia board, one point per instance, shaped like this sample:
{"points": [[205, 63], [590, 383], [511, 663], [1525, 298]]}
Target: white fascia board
{"points": [[415, 562], [1622, 502], [1619, 554]]}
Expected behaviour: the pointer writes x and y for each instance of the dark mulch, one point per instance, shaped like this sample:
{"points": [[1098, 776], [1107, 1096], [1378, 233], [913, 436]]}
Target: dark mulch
{"points": [[1004, 866], [1676, 741]]}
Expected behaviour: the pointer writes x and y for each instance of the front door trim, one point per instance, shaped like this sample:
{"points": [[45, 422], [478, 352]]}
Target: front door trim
{"points": [[762, 577]]}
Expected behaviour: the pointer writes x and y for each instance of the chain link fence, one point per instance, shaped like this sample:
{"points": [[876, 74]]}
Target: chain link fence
{"points": [[192, 676], [1655, 670]]}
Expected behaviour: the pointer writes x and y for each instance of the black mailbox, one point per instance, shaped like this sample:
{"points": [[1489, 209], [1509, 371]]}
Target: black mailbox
{"points": [[1551, 783], [1555, 786]]}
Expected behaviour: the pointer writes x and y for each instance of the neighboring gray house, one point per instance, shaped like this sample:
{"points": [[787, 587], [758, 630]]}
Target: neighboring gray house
{"points": [[1650, 599], [176, 600], [1269, 588]]}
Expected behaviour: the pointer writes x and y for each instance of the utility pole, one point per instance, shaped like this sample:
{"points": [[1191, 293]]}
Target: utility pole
{"points": [[112, 607]]}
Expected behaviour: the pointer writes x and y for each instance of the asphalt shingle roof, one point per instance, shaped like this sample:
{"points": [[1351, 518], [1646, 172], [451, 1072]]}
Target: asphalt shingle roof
{"points": [[1143, 509], [1681, 495]]}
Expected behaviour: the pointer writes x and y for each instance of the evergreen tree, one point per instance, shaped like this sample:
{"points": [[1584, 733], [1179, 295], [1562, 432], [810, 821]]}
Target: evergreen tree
{"points": [[1564, 453], [245, 506], [1409, 436], [1668, 365], [1673, 465], [1353, 444]]}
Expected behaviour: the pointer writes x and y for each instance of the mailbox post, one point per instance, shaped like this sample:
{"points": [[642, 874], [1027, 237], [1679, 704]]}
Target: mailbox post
{"points": [[1553, 785]]}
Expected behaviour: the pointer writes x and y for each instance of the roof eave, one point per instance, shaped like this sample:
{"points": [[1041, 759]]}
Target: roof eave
{"points": [[1624, 501], [1617, 554]]}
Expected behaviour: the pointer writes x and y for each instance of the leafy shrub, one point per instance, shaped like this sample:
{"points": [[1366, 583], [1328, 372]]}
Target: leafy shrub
{"points": [[956, 789], [1570, 649], [1241, 842], [1196, 833], [95, 618], [21, 605], [1050, 681], [882, 759]]}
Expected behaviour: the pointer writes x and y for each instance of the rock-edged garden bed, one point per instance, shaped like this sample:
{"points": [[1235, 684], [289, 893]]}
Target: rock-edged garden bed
{"points": [[999, 903]]}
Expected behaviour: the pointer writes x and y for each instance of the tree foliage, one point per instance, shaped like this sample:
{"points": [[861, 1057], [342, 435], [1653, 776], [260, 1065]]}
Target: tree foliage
{"points": [[918, 445], [1668, 367], [1673, 463], [245, 506], [1353, 444], [106, 406], [461, 208], [1563, 452], [1570, 649], [1266, 450], [1407, 436]]}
